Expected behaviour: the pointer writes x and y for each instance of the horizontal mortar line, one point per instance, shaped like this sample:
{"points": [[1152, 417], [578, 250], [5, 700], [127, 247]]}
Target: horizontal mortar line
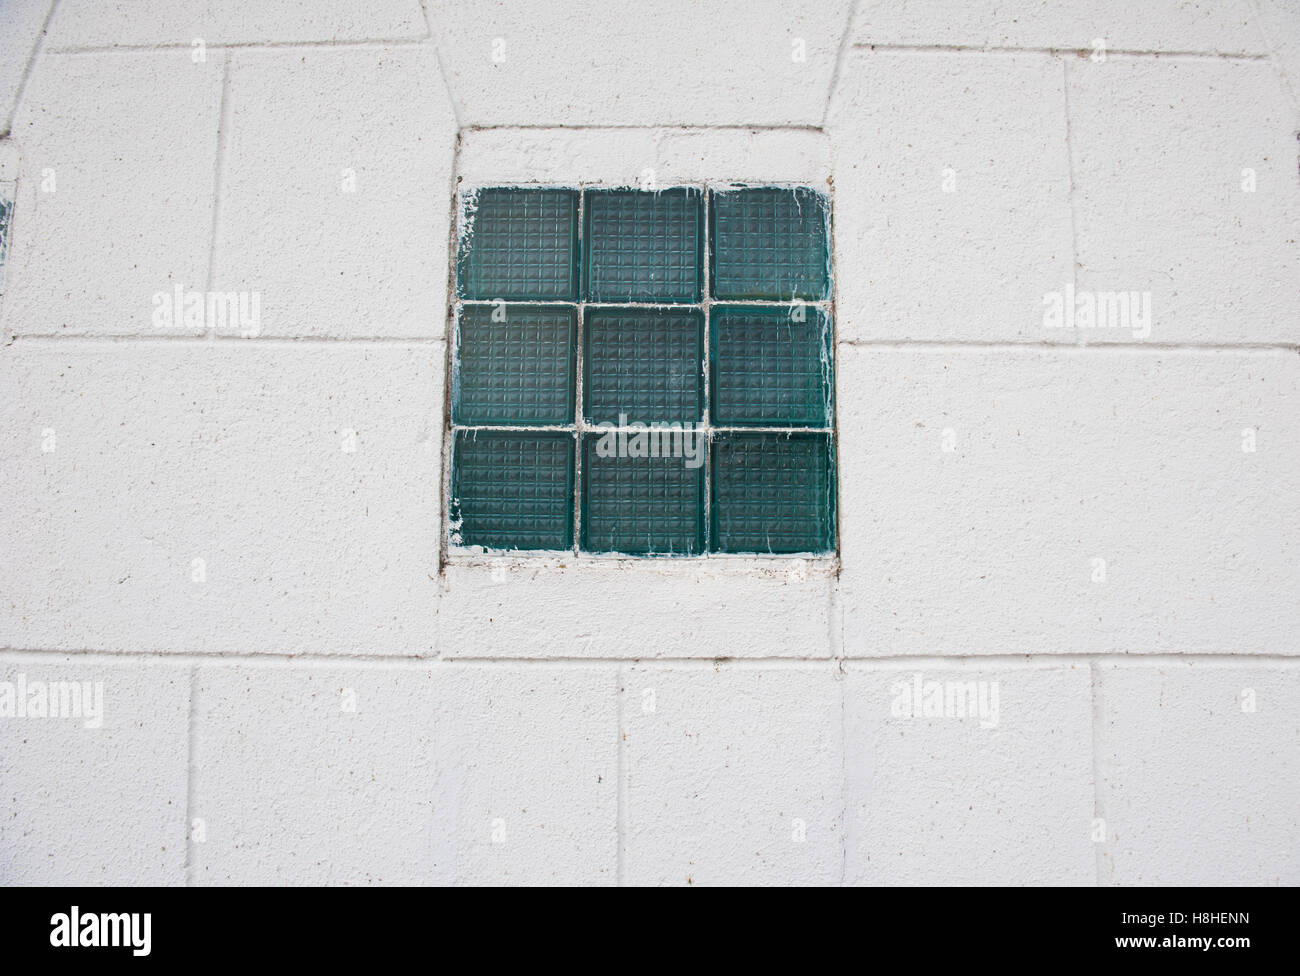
{"points": [[1044, 661], [1002, 49], [899, 344], [684, 306], [1048, 659], [974, 661], [177, 46], [378, 661], [766, 562], [1005, 346], [54, 339], [652, 427], [192, 658], [818, 566], [675, 127]]}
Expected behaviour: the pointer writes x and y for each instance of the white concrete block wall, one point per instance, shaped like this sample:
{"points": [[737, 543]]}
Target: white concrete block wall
{"points": [[238, 531], [1002, 796]]}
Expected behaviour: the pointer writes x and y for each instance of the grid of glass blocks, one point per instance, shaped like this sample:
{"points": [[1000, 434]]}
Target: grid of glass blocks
{"points": [[643, 373]]}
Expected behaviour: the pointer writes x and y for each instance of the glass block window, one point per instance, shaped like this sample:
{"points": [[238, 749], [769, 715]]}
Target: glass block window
{"points": [[643, 373]]}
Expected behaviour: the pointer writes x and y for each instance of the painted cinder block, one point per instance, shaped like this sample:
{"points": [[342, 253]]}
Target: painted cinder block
{"points": [[1218, 26], [310, 775], [1079, 501], [336, 194], [600, 608], [1186, 188], [1198, 783], [116, 199], [405, 774], [527, 790], [598, 62], [952, 196], [238, 496], [93, 800], [938, 793], [733, 775], [86, 23]]}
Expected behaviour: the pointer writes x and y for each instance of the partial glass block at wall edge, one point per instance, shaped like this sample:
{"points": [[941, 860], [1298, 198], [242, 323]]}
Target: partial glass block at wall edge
{"points": [[512, 489], [520, 244]]}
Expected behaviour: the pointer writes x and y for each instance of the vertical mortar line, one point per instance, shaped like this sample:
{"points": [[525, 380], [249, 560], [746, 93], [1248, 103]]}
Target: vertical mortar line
{"points": [[218, 167], [1074, 217], [1275, 60], [189, 778], [428, 27], [37, 50], [620, 820], [1099, 854], [846, 42], [835, 636], [579, 365], [842, 680], [451, 319], [706, 308], [833, 419]]}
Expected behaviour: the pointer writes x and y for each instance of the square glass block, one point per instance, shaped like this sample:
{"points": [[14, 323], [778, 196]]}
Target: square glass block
{"points": [[521, 244], [643, 365], [768, 368], [639, 505], [773, 493], [512, 490], [642, 246], [770, 244], [519, 371]]}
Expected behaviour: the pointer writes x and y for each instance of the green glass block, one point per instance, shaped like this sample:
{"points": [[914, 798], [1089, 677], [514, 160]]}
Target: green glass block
{"points": [[773, 493], [767, 368], [512, 490], [521, 245], [642, 246], [517, 371], [643, 365], [770, 244], [643, 506]]}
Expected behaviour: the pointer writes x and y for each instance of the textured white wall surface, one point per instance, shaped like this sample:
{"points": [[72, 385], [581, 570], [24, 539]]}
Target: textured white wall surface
{"points": [[233, 533]]}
